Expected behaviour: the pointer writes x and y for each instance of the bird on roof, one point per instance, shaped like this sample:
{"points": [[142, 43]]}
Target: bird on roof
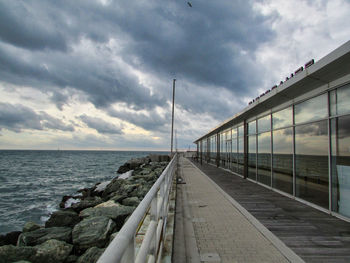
{"points": [[189, 4]]}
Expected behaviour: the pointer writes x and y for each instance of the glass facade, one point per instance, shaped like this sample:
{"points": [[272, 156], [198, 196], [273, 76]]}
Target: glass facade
{"points": [[340, 150], [302, 150], [311, 162], [282, 168], [264, 158]]}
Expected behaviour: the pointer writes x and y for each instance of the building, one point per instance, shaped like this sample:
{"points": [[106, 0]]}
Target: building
{"points": [[294, 138]]}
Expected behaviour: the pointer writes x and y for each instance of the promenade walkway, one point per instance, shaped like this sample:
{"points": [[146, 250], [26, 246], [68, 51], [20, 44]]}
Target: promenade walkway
{"points": [[313, 235], [211, 227]]}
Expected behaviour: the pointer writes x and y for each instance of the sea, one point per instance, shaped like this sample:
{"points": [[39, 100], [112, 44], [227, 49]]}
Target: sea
{"points": [[32, 183]]}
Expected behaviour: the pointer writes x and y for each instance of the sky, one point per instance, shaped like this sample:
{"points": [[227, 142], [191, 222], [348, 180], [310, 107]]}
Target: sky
{"points": [[98, 74]]}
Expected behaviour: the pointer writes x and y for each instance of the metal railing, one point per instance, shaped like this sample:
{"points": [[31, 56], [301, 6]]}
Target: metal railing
{"points": [[122, 248]]}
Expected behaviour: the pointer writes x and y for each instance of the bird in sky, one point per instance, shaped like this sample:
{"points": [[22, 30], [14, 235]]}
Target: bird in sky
{"points": [[189, 4]]}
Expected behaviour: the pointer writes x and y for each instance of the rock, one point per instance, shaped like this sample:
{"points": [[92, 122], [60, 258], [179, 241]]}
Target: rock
{"points": [[63, 218], [126, 189], [113, 186], [22, 261], [71, 259], [11, 253], [117, 213], [131, 201], [92, 231], [123, 169], [86, 203], [53, 251], [9, 238], [133, 164], [118, 198], [66, 198], [109, 203], [41, 235], [30, 226], [91, 255]]}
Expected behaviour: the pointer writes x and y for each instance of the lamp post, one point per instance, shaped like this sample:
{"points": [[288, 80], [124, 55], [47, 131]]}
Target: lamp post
{"points": [[172, 118]]}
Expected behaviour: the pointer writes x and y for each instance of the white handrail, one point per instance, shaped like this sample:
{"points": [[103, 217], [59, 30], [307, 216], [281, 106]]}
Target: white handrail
{"points": [[122, 248]]}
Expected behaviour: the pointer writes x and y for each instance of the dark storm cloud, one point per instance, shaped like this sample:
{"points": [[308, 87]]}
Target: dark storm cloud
{"points": [[151, 121], [210, 45], [18, 117], [100, 125]]}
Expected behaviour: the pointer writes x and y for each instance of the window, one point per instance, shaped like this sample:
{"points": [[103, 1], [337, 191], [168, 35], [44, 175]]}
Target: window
{"points": [[340, 130], [252, 157], [264, 158], [264, 124], [283, 118], [312, 109], [311, 148], [282, 178]]}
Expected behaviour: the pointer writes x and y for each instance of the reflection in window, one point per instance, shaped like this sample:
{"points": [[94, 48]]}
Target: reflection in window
{"points": [[240, 131], [312, 109], [252, 127], [340, 130], [340, 100], [252, 157], [240, 155], [282, 178], [213, 149], [283, 118], [311, 149], [264, 158], [234, 132], [222, 149], [264, 124], [234, 155]]}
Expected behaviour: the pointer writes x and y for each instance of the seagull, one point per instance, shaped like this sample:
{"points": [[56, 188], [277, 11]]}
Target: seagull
{"points": [[189, 4]]}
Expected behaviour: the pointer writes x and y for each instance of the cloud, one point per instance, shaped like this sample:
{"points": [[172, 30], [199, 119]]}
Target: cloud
{"points": [[100, 125], [126, 53], [18, 117]]}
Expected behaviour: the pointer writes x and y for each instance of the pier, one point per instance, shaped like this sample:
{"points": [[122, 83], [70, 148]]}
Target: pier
{"points": [[221, 217]]}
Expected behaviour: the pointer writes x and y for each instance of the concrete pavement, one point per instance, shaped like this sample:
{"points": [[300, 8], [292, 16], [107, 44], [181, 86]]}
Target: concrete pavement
{"points": [[211, 227]]}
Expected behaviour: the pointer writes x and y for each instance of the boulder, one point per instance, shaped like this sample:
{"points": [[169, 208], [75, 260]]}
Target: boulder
{"points": [[117, 213], [117, 198], [41, 235], [71, 259], [123, 169], [109, 203], [53, 251], [11, 253], [30, 226], [131, 201], [66, 198], [63, 218], [113, 187], [92, 231], [9, 238], [86, 203], [91, 255], [133, 164]]}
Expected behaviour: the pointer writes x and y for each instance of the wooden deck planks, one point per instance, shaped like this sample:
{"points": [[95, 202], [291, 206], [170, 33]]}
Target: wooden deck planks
{"points": [[314, 235]]}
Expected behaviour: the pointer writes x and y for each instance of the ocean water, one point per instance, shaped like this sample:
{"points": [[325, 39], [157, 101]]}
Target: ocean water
{"points": [[32, 183]]}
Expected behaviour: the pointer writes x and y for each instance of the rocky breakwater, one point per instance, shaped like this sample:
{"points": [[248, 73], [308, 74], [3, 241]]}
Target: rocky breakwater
{"points": [[85, 223]]}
